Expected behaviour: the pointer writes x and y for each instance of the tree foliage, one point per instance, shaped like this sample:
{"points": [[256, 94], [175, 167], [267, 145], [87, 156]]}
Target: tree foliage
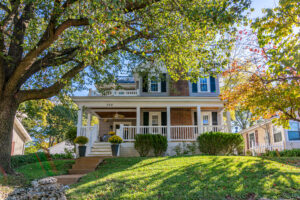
{"points": [[271, 71]]}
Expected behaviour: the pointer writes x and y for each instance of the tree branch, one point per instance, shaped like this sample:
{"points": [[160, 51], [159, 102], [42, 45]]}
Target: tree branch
{"points": [[52, 90], [5, 8]]}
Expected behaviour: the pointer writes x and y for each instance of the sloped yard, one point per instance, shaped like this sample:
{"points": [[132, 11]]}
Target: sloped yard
{"points": [[191, 177]]}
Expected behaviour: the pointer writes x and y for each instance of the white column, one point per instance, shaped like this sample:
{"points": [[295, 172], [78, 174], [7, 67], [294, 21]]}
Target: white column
{"points": [[168, 122], [199, 121], [221, 117], [88, 119], [228, 121], [79, 122], [138, 119]]}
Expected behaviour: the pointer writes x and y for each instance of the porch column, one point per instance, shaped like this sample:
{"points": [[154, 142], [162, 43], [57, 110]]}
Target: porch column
{"points": [[199, 119], [138, 119], [228, 121], [79, 122], [88, 119], [220, 118], [168, 123]]}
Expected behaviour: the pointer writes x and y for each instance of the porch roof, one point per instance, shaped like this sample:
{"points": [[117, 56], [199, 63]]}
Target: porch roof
{"points": [[132, 102]]}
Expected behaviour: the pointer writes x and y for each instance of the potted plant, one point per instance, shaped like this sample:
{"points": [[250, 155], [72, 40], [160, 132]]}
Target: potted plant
{"points": [[115, 143], [81, 141]]}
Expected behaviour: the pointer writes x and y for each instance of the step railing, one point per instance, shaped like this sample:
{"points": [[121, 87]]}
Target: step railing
{"points": [[91, 132]]}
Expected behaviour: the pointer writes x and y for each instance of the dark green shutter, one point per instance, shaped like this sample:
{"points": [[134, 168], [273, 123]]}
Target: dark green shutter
{"points": [[194, 88], [212, 84], [195, 119], [214, 118], [145, 83], [163, 118], [146, 118], [164, 82]]}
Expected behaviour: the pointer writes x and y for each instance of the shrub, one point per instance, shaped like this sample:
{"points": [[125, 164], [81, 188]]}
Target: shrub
{"points": [[115, 139], [192, 148], [178, 149], [71, 134], [214, 143], [143, 144], [284, 153], [81, 140], [159, 144], [20, 160]]}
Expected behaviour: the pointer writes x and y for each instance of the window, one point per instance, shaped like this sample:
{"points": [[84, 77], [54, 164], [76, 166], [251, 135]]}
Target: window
{"points": [[251, 140], [203, 85], [294, 132], [154, 85], [277, 134], [205, 120], [154, 120]]}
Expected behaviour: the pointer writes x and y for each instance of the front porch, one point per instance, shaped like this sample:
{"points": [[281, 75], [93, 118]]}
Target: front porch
{"points": [[178, 122]]}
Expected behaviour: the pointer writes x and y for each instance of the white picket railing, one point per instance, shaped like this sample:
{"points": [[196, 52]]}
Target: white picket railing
{"points": [[91, 132], [257, 149], [115, 93], [177, 133]]}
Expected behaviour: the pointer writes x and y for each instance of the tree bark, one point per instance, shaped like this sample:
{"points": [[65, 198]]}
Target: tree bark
{"points": [[8, 108]]}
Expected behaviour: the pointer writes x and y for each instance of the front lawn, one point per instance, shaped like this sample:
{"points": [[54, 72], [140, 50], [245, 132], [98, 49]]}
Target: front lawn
{"points": [[191, 177]]}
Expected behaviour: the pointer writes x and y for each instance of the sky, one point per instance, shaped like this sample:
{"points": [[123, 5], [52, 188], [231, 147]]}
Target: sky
{"points": [[258, 5]]}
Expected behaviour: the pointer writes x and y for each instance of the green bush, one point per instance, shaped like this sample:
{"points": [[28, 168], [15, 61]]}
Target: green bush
{"points": [[214, 143], [284, 153], [144, 143], [20, 160], [159, 144]]}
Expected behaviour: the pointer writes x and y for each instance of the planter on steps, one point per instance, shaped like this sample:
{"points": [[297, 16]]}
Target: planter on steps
{"points": [[82, 150], [114, 149]]}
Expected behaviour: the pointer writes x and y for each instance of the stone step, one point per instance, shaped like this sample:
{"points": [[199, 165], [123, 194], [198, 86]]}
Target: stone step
{"points": [[101, 146], [68, 179], [95, 153], [103, 156], [90, 164], [101, 150], [80, 171]]}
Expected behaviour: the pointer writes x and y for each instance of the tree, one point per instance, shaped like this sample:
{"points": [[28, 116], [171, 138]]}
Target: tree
{"points": [[272, 73], [47, 45]]}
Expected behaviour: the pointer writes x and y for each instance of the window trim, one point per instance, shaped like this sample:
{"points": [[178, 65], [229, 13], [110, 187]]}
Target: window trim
{"points": [[276, 132], [199, 85], [250, 140]]}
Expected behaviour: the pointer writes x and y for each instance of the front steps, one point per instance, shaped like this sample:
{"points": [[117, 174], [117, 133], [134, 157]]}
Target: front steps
{"points": [[82, 166], [102, 149]]}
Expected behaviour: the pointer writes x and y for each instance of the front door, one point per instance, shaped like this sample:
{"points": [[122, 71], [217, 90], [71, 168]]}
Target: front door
{"points": [[154, 120]]}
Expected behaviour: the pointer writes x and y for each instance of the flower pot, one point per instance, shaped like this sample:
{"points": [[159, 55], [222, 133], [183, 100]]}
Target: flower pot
{"points": [[82, 150], [114, 149]]}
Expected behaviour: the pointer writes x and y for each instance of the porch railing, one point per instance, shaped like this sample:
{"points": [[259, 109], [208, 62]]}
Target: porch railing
{"points": [[177, 133], [115, 93]]}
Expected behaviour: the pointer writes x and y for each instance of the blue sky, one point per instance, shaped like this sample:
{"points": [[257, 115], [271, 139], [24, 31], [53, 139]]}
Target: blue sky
{"points": [[258, 5]]}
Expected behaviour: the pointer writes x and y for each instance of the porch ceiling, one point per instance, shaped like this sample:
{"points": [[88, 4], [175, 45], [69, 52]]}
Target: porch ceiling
{"points": [[111, 114]]}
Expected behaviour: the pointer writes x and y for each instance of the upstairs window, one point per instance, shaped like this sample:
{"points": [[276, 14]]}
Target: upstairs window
{"points": [[154, 86], [294, 131], [203, 85]]}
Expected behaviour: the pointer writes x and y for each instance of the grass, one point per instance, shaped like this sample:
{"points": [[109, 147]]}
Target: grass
{"points": [[191, 177], [27, 173]]}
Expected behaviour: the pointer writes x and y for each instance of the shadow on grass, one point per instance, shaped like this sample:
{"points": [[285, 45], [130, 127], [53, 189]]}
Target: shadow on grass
{"points": [[189, 177]]}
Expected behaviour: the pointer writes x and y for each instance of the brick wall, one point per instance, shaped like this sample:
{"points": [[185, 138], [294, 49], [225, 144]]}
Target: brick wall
{"points": [[181, 116], [179, 88]]}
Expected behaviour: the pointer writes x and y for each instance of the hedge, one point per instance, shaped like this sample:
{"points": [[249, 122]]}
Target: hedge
{"points": [[144, 143], [214, 143], [20, 160], [284, 153]]}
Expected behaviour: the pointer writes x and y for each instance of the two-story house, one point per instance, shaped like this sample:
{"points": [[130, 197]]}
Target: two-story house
{"points": [[178, 110]]}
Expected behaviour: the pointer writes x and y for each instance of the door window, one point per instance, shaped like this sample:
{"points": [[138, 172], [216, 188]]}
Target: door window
{"points": [[205, 120]]}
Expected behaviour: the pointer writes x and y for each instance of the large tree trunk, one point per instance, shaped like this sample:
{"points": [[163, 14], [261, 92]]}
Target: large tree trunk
{"points": [[8, 108]]}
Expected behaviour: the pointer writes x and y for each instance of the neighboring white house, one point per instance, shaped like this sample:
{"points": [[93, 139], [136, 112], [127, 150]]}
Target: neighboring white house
{"points": [[20, 137], [180, 110], [60, 147], [267, 135]]}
